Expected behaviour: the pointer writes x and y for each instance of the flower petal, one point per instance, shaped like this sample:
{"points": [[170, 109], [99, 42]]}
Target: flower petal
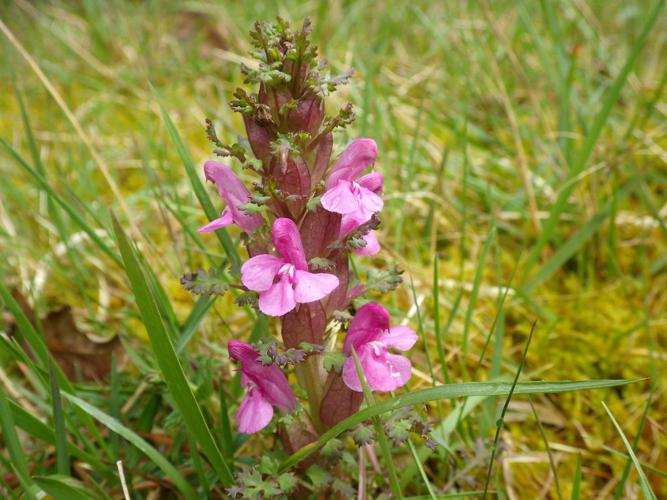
{"points": [[254, 413], [357, 156], [372, 181], [234, 192], [258, 272], [372, 245], [313, 286], [368, 323], [242, 352], [399, 337], [230, 187], [287, 240], [268, 379], [224, 220], [350, 375], [370, 201], [384, 372], [398, 372], [340, 199], [279, 299], [275, 388]]}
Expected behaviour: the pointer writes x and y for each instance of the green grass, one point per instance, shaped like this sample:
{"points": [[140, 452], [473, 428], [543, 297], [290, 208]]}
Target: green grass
{"points": [[524, 153]]}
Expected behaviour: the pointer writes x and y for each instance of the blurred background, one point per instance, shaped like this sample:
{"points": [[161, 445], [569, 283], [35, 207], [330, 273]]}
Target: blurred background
{"points": [[523, 144]]}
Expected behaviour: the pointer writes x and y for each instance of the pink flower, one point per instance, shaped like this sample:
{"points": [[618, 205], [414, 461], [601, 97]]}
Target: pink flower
{"points": [[349, 222], [267, 387], [283, 282], [235, 194], [371, 337], [346, 193]]}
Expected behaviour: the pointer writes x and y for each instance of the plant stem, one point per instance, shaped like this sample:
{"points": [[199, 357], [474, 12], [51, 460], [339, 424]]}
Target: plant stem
{"points": [[310, 374]]}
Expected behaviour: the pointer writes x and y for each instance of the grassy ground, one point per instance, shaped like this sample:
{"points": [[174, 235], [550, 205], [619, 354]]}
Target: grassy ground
{"points": [[517, 147]]}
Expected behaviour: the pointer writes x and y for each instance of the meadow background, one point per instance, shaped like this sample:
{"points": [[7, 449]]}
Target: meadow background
{"points": [[523, 144]]}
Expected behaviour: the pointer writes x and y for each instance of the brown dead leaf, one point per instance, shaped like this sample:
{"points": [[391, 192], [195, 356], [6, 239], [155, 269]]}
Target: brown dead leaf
{"points": [[76, 353]]}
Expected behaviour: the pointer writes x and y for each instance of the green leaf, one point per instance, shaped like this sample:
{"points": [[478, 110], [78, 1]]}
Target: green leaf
{"points": [[115, 426], [333, 360], [200, 282], [168, 361], [62, 458], [576, 481], [52, 194], [447, 391], [383, 281], [318, 476], [13, 445], [592, 136], [39, 430], [643, 480], [63, 487]]}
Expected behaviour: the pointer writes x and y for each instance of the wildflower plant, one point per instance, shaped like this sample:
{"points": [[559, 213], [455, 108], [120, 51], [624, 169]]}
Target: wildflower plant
{"points": [[301, 220]]}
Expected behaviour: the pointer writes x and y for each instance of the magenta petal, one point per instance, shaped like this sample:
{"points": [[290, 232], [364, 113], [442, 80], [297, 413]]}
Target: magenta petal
{"points": [[372, 245], [279, 299], [242, 352], [224, 220], [275, 388], [258, 272], [287, 240], [234, 192], [370, 315], [387, 372], [340, 199], [313, 286], [370, 201], [384, 372], [350, 375], [368, 323], [357, 156], [400, 337], [268, 379], [254, 413], [373, 181], [230, 187]]}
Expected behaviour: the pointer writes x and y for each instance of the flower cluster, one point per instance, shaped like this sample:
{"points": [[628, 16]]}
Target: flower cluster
{"points": [[301, 220]]}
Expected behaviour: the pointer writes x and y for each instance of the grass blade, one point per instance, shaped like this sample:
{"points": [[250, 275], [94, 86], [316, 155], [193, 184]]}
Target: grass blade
{"points": [[168, 361], [501, 420], [379, 430], [198, 187], [592, 136], [61, 486], [39, 430], [44, 184], [115, 426], [583, 234], [447, 391], [576, 481], [643, 480], [11, 442], [62, 458]]}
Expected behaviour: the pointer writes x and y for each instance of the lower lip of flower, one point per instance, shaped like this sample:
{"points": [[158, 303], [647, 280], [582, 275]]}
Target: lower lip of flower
{"points": [[289, 270], [377, 347]]}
